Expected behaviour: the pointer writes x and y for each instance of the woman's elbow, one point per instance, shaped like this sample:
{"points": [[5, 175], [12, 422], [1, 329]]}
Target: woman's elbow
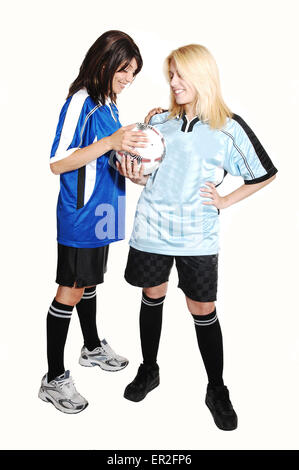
{"points": [[55, 169], [272, 178], [268, 181]]}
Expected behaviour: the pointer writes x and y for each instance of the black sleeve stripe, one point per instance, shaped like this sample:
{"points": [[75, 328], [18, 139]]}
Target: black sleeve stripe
{"points": [[270, 173], [80, 187], [259, 149]]}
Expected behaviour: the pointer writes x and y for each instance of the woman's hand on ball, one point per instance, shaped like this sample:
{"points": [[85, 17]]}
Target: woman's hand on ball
{"points": [[132, 170], [152, 113], [125, 139]]}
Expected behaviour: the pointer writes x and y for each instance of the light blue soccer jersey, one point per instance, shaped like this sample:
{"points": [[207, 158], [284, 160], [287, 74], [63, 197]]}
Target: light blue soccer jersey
{"points": [[90, 209], [170, 218]]}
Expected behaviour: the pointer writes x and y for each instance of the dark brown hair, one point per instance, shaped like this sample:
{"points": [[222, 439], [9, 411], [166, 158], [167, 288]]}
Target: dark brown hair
{"points": [[112, 50]]}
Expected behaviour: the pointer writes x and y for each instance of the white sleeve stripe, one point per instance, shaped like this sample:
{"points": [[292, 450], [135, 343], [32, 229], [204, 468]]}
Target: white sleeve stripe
{"points": [[67, 153], [70, 123]]}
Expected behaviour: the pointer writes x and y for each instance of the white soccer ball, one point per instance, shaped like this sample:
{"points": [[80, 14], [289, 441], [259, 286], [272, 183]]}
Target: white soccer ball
{"points": [[150, 156]]}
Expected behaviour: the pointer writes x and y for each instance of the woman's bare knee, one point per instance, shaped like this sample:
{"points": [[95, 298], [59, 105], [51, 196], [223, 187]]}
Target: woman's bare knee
{"points": [[200, 308], [157, 291], [69, 295]]}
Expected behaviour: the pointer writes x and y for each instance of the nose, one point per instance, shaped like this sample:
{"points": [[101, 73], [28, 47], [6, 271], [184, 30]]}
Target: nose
{"points": [[173, 81]]}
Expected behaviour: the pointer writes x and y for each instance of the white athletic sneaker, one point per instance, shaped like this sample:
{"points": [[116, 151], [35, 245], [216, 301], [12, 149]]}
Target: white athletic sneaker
{"points": [[102, 356], [61, 392]]}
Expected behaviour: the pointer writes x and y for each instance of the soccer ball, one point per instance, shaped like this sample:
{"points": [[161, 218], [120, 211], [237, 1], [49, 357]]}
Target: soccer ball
{"points": [[150, 156]]}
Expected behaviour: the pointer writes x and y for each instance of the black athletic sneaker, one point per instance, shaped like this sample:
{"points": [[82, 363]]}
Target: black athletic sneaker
{"points": [[218, 402], [147, 379]]}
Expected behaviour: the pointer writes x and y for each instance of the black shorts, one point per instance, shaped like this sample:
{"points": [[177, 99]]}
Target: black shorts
{"points": [[83, 266], [198, 275]]}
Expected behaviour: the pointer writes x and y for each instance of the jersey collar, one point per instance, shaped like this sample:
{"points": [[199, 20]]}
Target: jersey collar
{"points": [[187, 125]]}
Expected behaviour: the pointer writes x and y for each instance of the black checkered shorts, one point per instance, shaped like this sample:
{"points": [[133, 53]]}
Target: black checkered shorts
{"points": [[198, 275]]}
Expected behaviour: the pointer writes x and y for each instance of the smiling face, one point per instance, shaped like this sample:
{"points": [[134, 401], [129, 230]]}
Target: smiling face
{"points": [[123, 77], [183, 91]]}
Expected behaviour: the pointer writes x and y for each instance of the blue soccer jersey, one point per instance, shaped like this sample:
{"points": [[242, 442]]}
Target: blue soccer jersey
{"points": [[170, 218], [90, 209]]}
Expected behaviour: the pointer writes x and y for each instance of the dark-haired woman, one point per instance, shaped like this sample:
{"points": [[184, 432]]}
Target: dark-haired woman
{"points": [[90, 210]]}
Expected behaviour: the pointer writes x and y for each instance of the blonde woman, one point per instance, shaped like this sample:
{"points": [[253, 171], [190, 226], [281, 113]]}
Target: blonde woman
{"points": [[177, 215]]}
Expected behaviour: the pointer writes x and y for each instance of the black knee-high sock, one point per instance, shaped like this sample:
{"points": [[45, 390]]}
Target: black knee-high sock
{"points": [[58, 320], [209, 339], [150, 322], [87, 310]]}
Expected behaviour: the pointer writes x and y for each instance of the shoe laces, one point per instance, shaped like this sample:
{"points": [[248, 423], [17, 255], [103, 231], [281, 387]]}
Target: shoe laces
{"points": [[108, 350], [67, 387]]}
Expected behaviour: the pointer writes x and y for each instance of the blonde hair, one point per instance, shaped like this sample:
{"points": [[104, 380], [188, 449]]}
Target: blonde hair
{"points": [[197, 66]]}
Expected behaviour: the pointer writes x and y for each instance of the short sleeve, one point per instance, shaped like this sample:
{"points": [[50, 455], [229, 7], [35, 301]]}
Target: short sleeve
{"points": [[158, 118], [68, 137], [245, 155]]}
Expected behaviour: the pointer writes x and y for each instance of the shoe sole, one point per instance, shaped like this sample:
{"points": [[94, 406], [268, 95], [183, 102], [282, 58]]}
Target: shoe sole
{"points": [[140, 399], [107, 368], [212, 410], [47, 399]]}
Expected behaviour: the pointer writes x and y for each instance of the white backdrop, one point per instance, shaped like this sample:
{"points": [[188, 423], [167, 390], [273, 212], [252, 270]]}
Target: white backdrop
{"points": [[256, 47]]}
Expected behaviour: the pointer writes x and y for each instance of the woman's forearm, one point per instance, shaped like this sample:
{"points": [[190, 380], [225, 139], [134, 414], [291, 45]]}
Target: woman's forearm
{"points": [[244, 191], [81, 157]]}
